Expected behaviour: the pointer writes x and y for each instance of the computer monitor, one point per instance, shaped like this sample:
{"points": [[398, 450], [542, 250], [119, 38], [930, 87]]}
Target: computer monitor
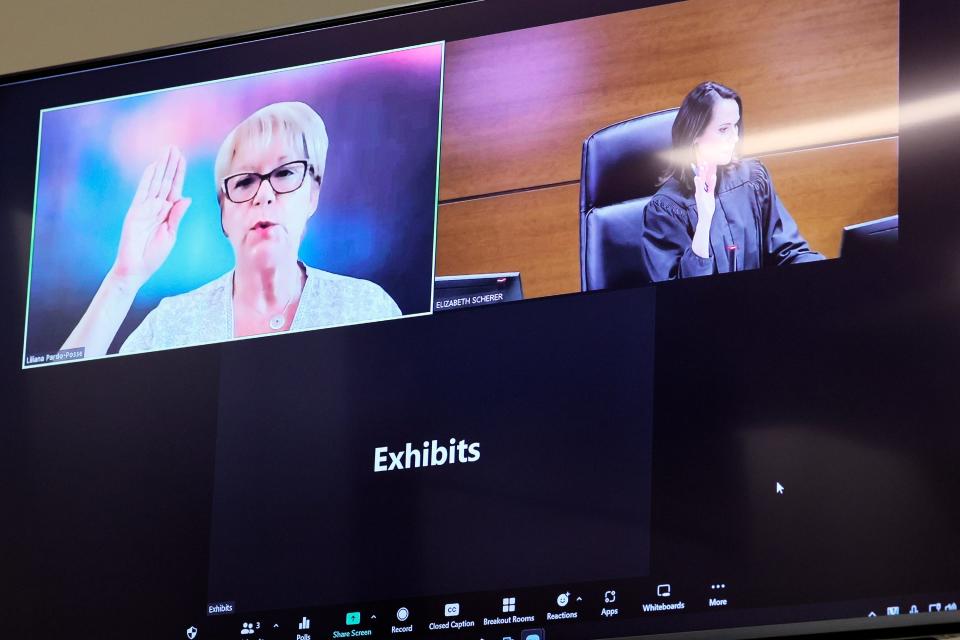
{"points": [[233, 409], [870, 240]]}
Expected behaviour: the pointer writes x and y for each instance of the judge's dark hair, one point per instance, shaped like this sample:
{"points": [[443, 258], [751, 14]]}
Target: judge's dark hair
{"points": [[693, 117]]}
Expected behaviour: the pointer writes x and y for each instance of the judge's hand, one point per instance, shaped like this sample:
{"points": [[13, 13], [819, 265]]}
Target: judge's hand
{"points": [[704, 181], [150, 226]]}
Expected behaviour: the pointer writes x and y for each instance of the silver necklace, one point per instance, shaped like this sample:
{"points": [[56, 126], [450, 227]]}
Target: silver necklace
{"points": [[277, 321]]}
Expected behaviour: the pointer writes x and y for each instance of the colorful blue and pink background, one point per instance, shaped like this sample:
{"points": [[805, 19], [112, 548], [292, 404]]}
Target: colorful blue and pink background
{"points": [[375, 219]]}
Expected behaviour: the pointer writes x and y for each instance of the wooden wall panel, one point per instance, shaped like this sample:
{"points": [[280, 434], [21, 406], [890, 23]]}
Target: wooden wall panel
{"points": [[829, 188], [518, 105], [534, 232], [537, 232]]}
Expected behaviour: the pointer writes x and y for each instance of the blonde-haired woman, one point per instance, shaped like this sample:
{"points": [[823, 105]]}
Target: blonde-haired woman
{"points": [[269, 171]]}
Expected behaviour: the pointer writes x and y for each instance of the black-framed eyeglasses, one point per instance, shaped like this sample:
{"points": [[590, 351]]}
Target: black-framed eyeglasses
{"points": [[287, 177]]}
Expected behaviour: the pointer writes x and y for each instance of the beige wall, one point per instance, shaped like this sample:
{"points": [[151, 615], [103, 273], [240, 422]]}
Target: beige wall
{"points": [[41, 33]]}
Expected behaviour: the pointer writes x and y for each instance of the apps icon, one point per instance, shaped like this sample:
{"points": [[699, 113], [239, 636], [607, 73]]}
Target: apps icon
{"points": [[532, 634], [451, 609], [353, 617]]}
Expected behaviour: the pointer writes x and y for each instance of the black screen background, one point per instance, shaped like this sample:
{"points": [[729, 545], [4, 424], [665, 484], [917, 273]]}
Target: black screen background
{"points": [[560, 493], [841, 376]]}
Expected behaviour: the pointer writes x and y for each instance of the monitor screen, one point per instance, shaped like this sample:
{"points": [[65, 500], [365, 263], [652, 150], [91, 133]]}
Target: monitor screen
{"points": [[117, 178], [259, 382], [871, 239]]}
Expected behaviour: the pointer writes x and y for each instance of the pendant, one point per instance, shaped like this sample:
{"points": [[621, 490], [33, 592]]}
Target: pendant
{"points": [[276, 322]]}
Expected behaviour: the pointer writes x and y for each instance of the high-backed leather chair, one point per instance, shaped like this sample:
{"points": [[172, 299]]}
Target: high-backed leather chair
{"points": [[622, 167]]}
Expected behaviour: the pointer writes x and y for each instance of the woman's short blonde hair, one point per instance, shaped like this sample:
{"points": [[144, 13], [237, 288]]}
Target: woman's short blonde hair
{"points": [[297, 121]]}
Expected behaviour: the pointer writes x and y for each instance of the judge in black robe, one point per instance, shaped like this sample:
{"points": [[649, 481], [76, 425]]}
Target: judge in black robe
{"points": [[715, 213], [750, 228]]}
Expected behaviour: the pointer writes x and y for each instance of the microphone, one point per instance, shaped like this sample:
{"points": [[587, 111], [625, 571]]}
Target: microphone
{"points": [[732, 256]]}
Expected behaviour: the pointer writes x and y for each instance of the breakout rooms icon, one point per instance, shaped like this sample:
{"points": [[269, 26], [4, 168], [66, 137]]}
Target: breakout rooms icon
{"points": [[509, 605]]}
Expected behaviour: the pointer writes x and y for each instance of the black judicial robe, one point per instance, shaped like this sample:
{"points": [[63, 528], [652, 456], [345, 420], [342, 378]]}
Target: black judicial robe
{"points": [[749, 216]]}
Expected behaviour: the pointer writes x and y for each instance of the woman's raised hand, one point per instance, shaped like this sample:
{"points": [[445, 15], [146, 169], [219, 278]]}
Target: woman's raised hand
{"points": [[150, 226], [149, 231], [704, 182]]}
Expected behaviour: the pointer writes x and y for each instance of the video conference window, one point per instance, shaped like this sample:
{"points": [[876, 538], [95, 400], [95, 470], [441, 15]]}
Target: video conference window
{"points": [[686, 140], [588, 154], [677, 141], [290, 200]]}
